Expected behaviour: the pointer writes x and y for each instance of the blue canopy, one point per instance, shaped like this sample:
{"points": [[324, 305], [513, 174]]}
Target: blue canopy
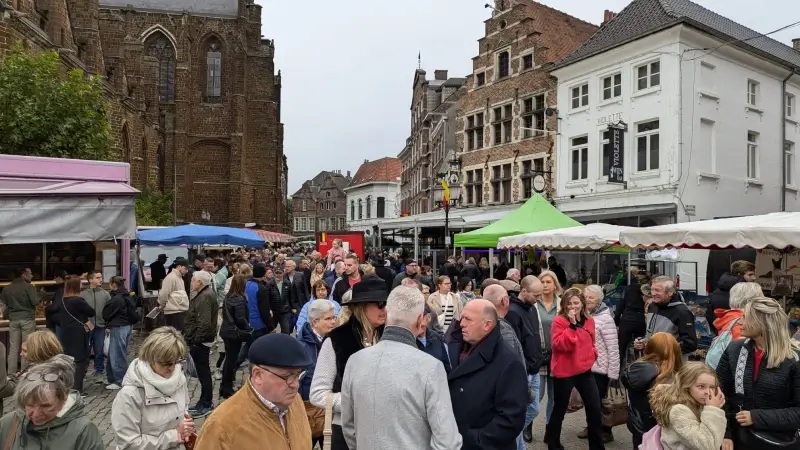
{"points": [[199, 235]]}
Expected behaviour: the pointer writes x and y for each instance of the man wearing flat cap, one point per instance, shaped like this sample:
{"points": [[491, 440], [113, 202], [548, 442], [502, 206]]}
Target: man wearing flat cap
{"points": [[267, 412]]}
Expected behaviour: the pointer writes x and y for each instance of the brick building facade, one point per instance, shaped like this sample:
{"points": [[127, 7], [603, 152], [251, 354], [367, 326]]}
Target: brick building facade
{"points": [[505, 135], [321, 204], [193, 98], [432, 118]]}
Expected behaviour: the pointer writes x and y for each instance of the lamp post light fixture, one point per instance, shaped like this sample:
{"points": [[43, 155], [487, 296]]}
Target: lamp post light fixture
{"points": [[448, 194]]}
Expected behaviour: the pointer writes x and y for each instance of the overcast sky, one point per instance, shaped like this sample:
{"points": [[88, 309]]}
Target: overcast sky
{"points": [[348, 65]]}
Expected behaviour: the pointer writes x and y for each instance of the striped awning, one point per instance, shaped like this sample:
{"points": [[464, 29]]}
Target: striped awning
{"points": [[272, 236]]}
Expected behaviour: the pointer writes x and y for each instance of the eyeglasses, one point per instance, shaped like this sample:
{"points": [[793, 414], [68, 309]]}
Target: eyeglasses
{"points": [[36, 376], [289, 379], [380, 305]]}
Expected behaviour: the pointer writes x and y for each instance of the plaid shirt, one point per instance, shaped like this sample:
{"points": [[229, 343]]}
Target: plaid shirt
{"points": [[281, 413]]}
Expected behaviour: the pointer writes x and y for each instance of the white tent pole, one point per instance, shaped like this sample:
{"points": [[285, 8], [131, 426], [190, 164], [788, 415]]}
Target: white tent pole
{"points": [[491, 263], [416, 243]]}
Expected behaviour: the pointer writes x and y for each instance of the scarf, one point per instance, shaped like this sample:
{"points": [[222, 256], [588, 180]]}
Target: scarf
{"points": [[166, 386]]}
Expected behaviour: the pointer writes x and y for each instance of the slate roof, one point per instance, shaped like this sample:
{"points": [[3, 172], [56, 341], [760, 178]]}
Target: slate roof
{"points": [[384, 170], [643, 17]]}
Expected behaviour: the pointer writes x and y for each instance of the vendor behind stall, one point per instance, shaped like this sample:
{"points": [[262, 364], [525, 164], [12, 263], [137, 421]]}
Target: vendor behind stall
{"points": [[20, 299]]}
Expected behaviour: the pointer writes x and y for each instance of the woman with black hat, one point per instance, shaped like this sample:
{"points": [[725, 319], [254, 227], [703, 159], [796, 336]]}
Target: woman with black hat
{"points": [[363, 329]]}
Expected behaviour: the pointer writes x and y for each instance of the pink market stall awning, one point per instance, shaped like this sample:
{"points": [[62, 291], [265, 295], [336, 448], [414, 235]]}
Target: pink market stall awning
{"points": [[272, 236]]}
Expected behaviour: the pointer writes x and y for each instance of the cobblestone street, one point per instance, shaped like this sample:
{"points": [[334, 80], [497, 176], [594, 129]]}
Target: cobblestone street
{"points": [[99, 400]]}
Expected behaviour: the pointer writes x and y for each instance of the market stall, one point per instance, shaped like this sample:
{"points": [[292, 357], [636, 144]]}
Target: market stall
{"points": [[63, 214], [273, 237]]}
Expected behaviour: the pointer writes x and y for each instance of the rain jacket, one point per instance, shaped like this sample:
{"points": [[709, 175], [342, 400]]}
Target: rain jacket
{"points": [[676, 319], [725, 317], [71, 428], [720, 298]]}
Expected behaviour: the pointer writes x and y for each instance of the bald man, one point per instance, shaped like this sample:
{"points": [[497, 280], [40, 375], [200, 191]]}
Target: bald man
{"points": [[488, 388], [499, 298]]}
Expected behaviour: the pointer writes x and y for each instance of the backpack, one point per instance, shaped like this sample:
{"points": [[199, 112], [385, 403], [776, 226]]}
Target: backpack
{"points": [[652, 440], [719, 344]]}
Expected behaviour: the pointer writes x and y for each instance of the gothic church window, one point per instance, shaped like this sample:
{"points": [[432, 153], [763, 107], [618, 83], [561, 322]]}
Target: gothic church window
{"points": [[161, 48], [213, 88]]}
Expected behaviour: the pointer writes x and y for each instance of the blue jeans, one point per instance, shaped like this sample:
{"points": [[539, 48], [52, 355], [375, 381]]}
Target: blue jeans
{"points": [[546, 383], [118, 353], [532, 410], [96, 340]]}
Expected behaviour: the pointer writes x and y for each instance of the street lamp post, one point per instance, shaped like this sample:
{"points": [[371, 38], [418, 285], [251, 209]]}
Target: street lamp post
{"points": [[449, 194]]}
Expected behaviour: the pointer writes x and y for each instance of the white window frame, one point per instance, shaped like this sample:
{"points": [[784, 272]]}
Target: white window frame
{"points": [[611, 89], [712, 152], [791, 105], [648, 76], [647, 135], [788, 155], [582, 91], [297, 224], [603, 143], [578, 150], [305, 205], [752, 167], [753, 88]]}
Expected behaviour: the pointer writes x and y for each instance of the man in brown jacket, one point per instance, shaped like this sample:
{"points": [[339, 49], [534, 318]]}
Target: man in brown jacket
{"points": [[266, 412]]}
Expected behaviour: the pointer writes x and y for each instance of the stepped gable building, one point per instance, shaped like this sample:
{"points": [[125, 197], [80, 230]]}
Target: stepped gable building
{"points": [[193, 97], [320, 204]]}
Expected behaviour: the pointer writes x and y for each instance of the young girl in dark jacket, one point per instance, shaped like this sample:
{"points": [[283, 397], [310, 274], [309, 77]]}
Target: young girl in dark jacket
{"points": [[760, 377], [234, 330]]}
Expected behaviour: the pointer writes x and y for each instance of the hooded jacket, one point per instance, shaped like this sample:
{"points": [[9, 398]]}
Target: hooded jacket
{"points": [[638, 379], [720, 298], [725, 318], [201, 319], [119, 311], [676, 319], [71, 428], [146, 411], [97, 298]]}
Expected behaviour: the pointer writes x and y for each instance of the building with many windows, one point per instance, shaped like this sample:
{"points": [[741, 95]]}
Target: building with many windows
{"points": [[373, 195], [320, 204], [505, 129], [671, 112]]}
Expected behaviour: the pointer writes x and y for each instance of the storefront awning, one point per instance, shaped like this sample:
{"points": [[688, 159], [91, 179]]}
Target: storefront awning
{"points": [[468, 218], [63, 218]]}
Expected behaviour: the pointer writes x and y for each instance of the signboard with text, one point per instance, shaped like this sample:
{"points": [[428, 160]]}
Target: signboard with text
{"points": [[616, 164]]}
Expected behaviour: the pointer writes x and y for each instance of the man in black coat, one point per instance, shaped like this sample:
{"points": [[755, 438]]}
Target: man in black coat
{"points": [[449, 269], [720, 298], [294, 290], [487, 382], [386, 274]]}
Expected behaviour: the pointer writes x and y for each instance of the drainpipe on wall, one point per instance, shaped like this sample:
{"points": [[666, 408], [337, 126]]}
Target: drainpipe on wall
{"points": [[783, 139]]}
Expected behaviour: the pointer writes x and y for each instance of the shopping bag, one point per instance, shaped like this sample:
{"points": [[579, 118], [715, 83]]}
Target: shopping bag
{"points": [[615, 408], [575, 401], [189, 369], [106, 344]]}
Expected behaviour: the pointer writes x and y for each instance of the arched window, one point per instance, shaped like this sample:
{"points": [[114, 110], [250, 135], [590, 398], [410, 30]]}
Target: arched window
{"points": [[126, 144], [369, 207], [213, 91], [360, 210], [161, 48], [352, 210], [160, 166]]}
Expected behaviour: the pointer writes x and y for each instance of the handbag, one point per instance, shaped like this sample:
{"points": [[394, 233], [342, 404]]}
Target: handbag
{"points": [[327, 431], [316, 419], [615, 408], [88, 325], [575, 401], [243, 335]]}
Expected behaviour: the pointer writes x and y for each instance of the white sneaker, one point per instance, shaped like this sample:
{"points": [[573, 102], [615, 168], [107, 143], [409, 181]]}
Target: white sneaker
{"points": [[218, 375], [113, 387]]}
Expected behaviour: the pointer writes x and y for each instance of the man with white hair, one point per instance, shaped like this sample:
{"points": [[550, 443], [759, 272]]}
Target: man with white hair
{"points": [[668, 313], [513, 275], [395, 372], [200, 333]]}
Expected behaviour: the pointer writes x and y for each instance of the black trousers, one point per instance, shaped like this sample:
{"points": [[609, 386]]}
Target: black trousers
{"points": [[637, 439], [175, 320], [602, 389], [200, 354], [629, 330], [246, 347], [80, 375], [232, 348], [285, 321], [337, 438], [562, 388]]}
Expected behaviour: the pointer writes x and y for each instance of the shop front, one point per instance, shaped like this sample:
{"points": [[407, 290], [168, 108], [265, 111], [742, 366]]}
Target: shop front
{"points": [[63, 215]]}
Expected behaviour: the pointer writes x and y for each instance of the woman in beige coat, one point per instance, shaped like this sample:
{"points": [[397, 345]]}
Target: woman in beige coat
{"points": [[149, 412], [446, 304]]}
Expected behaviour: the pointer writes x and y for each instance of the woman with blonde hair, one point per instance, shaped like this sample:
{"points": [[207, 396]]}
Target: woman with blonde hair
{"points": [[760, 377], [40, 346], [661, 361], [689, 411], [317, 275], [445, 304], [149, 412], [367, 268], [731, 319], [547, 307]]}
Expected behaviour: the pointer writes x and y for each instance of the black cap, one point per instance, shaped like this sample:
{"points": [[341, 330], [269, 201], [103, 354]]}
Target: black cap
{"points": [[278, 350], [371, 289], [180, 261], [259, 270]]}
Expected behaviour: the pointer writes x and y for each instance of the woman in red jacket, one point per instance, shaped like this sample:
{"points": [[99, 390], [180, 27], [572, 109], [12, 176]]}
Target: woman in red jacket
{"points": [[573, 354]]}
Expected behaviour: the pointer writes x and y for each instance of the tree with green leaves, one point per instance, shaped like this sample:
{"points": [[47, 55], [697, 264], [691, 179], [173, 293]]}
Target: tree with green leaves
{"points": [[154, 207], [46, 113]]}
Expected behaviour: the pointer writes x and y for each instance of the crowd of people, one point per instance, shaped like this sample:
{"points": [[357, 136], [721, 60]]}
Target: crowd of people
{"points": [[367, 356]]}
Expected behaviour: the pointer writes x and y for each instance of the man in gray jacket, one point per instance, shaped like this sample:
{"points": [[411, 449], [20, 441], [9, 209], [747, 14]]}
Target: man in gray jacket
{"points": [[418, 395], [20, 299], [97, 297]]}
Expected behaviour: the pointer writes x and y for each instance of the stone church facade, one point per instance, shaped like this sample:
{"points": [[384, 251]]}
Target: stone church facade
{"points": [[193, 97]]}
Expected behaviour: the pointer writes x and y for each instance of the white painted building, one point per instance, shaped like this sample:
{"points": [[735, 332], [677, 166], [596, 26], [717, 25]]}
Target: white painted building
{"points": [[373, 195], [710, 127]]}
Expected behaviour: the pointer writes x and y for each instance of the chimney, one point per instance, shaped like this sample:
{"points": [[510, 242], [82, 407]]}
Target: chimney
{"points": [[440, 75], [607, 16], [348, 174], [796, 44]]}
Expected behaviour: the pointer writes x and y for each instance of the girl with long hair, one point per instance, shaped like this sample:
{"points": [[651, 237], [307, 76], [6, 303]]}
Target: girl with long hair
{"points": [[547, 307], [446, 304], [318, 274], [661, 361], [760, 377], [689, 411], [235, 331], [574, 353]]}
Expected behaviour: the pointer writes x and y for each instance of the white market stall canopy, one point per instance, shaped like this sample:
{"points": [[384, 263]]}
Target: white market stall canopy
{"points": [[775, 230], [595, 236]]}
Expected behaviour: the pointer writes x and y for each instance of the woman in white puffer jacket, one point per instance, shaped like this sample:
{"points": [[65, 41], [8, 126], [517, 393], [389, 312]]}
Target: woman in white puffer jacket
{"points": [[606, 367]]}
